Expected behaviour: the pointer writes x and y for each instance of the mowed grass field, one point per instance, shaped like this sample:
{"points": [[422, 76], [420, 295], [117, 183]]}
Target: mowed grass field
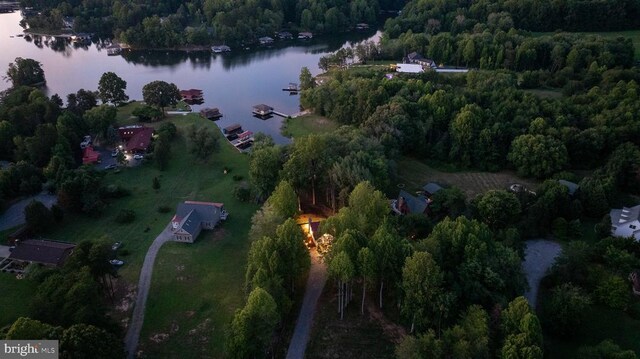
{"points": [[195, 286], [12, 298], [413, 174], [306, 125], [634, 35]]}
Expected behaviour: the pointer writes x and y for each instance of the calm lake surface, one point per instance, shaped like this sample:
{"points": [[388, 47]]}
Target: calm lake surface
{"points": [[233, 82]]}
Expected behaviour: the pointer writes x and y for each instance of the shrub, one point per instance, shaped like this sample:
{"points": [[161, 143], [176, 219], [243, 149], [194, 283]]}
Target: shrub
{"points": [[126, 216], [237, 178], [114, 191], [242, 192], [164, 209]]}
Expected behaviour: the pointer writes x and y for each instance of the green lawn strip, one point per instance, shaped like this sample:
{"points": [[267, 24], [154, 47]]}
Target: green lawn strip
{"points": [[634, 35], [125, 112], [600, 323], [13, 299], [306, 125]]}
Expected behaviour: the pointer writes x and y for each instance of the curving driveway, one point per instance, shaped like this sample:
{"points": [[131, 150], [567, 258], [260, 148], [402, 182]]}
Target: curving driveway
{"points": [[315, 284], [14, 215], [539, 256], [137, 319]]}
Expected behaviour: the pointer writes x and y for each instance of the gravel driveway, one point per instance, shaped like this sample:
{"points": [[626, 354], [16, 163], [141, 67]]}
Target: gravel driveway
{"points": [[539, 256], [315, 284], [137, 318], [14, 215]]}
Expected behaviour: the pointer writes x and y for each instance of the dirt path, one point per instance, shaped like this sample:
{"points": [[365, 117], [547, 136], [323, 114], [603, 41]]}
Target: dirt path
{"points": [[14, 215], [315, 284], [539, 256], [137, 319]]}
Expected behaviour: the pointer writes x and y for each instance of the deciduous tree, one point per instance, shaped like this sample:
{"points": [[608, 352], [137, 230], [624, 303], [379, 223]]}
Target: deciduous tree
{"points": [[161, 94], [25, 72], [111, 89]]}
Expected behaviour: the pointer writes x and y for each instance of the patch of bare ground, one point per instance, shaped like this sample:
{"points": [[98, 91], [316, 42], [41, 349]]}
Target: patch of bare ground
{"points": [[414, 174], [371, 335]]}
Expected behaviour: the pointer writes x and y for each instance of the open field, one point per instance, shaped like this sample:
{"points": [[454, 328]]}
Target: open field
{"points": [[413, 174], [306, 125], [12, 299], [196, 286], [634, 35]]}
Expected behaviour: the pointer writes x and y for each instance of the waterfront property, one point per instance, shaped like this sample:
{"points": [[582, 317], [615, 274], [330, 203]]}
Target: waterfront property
{"points": [[265, 40], [285, 35], [191, 95], [192, 217], [417, 58], [305, 35], [136, 138], [232, 130], [210, 113], [114, 50], [293, 87], [262, 110], [220, 49], [410, 204], [625, 222]]}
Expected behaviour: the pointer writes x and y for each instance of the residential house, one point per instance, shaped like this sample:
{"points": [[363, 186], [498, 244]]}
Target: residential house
{"points": [[416, 58], [265, 40], [408, 203], [431, 188], [42, 251], [220, 49], [305, 35], [192, 217], [625, 222], [285, 35], [136, 138]]}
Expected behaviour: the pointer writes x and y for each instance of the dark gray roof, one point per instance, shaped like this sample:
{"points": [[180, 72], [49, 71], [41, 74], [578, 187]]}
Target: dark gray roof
{"points": [[416, 204], [570, 185], [263, 107], [432, 187], [415, 56], [206, 211], [192, 222], [42, 251]]}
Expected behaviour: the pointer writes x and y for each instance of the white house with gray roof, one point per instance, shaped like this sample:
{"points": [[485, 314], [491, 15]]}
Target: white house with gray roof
{"points": [[625, 222], [192, 217]]}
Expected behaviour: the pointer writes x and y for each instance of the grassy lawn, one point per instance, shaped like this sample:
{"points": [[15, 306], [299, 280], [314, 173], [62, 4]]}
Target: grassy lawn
{"points": [[600, 323], [197, 284], [12, 299], [634, 35], [413, 174], [306, 125]]}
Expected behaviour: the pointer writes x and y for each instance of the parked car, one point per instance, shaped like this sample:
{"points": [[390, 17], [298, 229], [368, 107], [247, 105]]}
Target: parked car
{"points": [[116, 245], [138, 156], [111, 166], [116, 262]]}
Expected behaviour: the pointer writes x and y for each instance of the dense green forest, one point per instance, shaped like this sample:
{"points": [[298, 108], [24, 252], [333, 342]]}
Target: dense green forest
{"points": [[165, 24]]}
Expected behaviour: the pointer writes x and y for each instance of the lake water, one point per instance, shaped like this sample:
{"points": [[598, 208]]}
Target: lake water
{"points": [[233, 82]]}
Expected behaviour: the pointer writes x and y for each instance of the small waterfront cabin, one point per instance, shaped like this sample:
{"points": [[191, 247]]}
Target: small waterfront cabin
{"points": [[293, 87], [305, 35], [191, 95], [114, 50], [285, 35], [210, 113], [220, 49], [262, 110], [362, 26], [235, 128], [266, 40]]}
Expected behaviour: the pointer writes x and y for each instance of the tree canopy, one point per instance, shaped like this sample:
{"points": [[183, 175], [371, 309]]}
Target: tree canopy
{"points": [[25, 72]]}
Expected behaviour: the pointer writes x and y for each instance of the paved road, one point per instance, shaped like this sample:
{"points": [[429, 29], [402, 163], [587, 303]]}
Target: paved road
{"points": [[137, 319], [14, 215], [315, 284], [539, 256]]}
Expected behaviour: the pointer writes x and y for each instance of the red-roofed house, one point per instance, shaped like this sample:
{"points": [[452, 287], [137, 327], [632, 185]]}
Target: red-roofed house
{"points": [[89, 156], [136, 138]]}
